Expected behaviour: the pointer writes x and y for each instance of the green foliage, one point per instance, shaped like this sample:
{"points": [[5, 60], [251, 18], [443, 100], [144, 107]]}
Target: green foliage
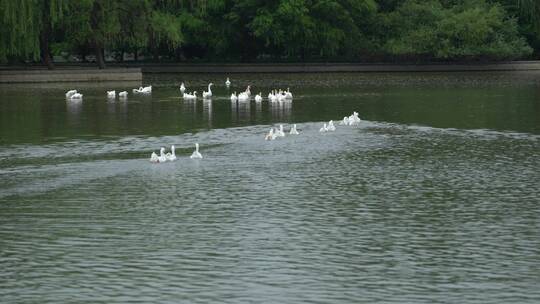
{"points": [[469, 29], [275, 29]]}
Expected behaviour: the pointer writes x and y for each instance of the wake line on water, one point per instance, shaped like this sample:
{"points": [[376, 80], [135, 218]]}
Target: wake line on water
{"points": [[54, 166], [135, 147]]}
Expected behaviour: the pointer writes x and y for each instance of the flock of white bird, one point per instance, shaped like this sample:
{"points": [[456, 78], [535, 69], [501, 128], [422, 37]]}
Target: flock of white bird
{"points": [[274, 96], [74, 95], [171, 156]]}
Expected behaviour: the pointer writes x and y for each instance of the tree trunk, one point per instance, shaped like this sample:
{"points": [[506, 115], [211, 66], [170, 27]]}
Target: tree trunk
{"points": [[95, 21], [44, 37], [46, 58], [99, 56]]}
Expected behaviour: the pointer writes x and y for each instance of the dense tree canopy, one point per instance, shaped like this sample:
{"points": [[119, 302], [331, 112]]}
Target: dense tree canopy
{"points": [[269, 30]]}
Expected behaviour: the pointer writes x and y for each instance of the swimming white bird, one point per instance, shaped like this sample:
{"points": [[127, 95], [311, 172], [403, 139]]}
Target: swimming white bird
{"points": [[70, 93], [143, 90], [288, 94], [271, 135], [324, 128], [171, 156], [190, 96], [354, 119], [228, 82], [280, 132], [182, 88], [154, 158], [123, 94], [111, 94], [209, 93], [162, 158], [293, 130], [274, 96], [281, 96], [345, 121], [196, 153], [243, 96], [234, 97], [258, 97], [248, 91], [331, 126], [76, 96]]}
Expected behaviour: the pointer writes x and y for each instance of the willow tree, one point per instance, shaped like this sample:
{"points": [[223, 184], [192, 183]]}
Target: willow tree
{"points": [[26, 28]]}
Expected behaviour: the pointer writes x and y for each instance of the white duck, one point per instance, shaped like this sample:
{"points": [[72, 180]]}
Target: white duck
{"points": [[111, 94], [248, 91], [158, 159], [293, 130], [258, 97], [353, 119], [70, 93], [243, 96], [182, 88], [172, 155], [323, 129], [281, 96], [270, 135], [154, 158], [190, 96], [288, 94], [234, 97], [274, 96], [147, 90], [331, 126], [280, 132], [123, 94], [143, 90], [228, 82], [209, 93], [196, 154], [345, 121], [76, 96]]}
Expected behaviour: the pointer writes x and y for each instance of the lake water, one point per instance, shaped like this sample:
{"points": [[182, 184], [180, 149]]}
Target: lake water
{"points": [[433, 198]]}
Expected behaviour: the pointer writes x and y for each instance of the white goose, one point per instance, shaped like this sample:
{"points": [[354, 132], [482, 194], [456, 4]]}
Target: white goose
{"points": [[288, 94], [228, 82], [147, 90], [274, 96], [234, 97], [196, 154], [280, 132], [143, 90], [70, 93], [182, 88], [190, 96], [209, 93], [258, 97], [123, 94], [76, 96], [270, 135], [243, 96], [331, 126], [154, 158], [111, 94], [172, 155], [323, 129], [293, 130], [162, 158], [345, 121]]}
